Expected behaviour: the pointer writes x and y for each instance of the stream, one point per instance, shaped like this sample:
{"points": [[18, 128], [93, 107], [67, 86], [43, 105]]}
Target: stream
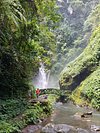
{"points": [[69, 114]]}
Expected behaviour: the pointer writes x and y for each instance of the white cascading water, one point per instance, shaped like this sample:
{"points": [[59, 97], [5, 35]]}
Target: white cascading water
{"points": [[70, 9], [42, 77]]}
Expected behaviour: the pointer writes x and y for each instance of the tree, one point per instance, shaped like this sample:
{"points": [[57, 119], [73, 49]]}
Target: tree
{"points": [[25, 37]]}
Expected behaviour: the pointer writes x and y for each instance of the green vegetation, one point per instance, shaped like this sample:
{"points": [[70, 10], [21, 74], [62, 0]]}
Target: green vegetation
{"points": [[79, 18], [88, 93], [85, 64], [74, 75], [26, 37], [56, 92], [93, 19], [10, 115], [82, 68], [30, 32], [10, 108], [91, 89], [57, 95], [29, 114]]}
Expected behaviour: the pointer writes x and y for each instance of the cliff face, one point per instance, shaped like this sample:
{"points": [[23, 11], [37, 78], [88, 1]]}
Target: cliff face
{"points": [[84, 71]]}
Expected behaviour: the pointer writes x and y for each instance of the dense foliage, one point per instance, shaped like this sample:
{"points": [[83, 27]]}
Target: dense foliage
{"points": [[30, 32], [91, 90], [31, 115], [78, 70], [25, 37], [11, 108], [79, 18]]}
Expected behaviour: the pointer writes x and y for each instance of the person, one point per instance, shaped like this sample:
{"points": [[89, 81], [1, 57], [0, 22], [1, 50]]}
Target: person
{"points": [[30, 94], [38, 92]]}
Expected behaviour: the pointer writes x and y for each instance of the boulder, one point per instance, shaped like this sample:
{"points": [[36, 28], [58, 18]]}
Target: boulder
{"points": [[95, 128], [31, 129], [62, 128], [57, 128], [87, 114], [80, 130]]}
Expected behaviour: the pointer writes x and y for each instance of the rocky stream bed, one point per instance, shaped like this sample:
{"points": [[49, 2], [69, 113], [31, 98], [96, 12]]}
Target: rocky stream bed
{"points": [[68, 118]]}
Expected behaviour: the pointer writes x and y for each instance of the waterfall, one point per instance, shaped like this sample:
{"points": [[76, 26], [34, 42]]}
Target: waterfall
{"points": [[42, 77], [70, 9], [60, 1]]}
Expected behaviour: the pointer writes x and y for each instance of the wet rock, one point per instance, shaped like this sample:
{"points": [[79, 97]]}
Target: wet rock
{"points": [[77, 115], [31, 129], [62, 128], [88, 113], [85, 115], [58, 128], [95, 128], [33, 101], [62, 98], [49, 128], [80, 130]]}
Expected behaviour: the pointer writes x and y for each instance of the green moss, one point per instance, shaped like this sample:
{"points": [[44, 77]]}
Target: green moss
{"points": [[91, 88], [76, 96], [89, 91], [93, 20], [83, 74], [84, 65]]}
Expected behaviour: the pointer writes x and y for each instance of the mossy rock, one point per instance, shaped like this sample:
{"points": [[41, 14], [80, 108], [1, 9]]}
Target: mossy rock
{"points": [[91, 89], [88, 92], [83, 66]]}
